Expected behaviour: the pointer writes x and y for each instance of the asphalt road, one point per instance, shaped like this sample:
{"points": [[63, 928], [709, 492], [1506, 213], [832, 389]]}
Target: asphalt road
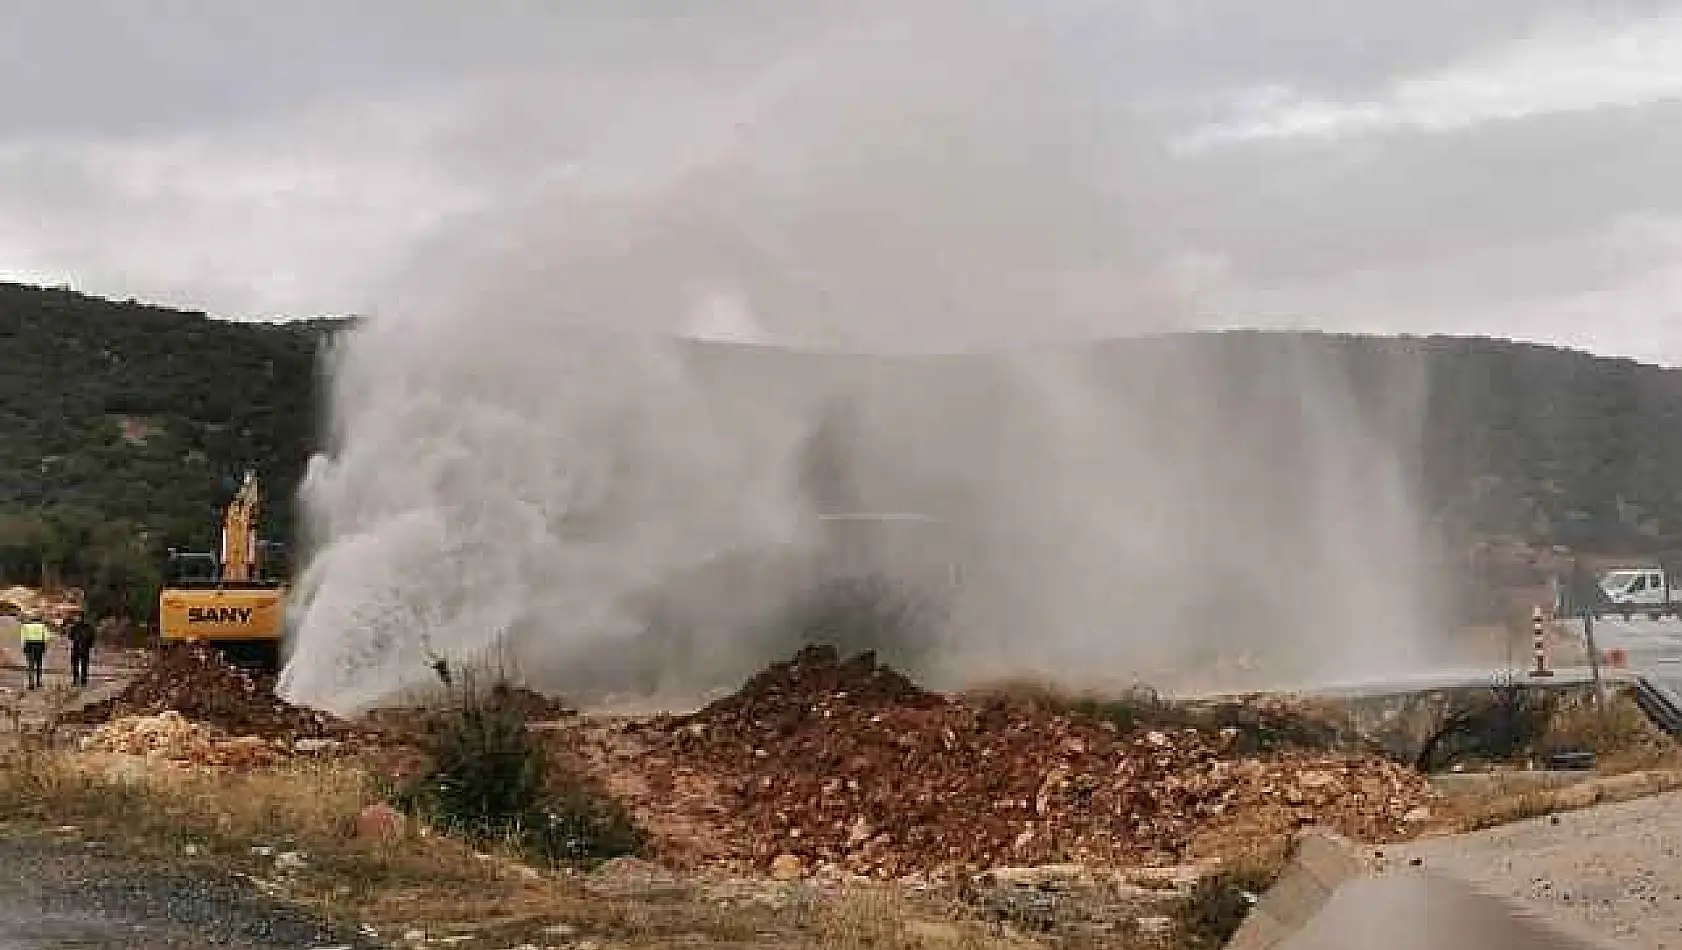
{"points": [[1612, 870], [1652, 645], [58, 895]]}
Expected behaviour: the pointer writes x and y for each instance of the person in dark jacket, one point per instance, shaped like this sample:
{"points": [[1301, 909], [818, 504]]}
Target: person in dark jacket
{"points": [[81, 635]]}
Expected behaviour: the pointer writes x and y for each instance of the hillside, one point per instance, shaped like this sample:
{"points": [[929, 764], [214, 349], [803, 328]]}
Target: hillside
{"points": [[123, 428]]}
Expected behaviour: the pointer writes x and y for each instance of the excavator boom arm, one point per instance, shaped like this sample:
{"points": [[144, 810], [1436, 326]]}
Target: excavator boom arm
{"points": [[239, 533]]}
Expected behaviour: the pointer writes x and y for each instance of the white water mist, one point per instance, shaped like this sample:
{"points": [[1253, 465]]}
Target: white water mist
{"points": [[524, 455]]}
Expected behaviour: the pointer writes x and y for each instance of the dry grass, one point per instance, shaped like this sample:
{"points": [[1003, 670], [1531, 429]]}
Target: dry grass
{"points": [[418, 881], [881, 920], [315, 804], [1258, 726], [1506, 809], [1623, 738], [1500, 807], [1209, 916], [1633, 759], [238, 820]]}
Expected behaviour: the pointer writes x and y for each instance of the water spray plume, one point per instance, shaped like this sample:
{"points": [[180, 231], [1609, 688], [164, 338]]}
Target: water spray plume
{"points": [[529, 451]]}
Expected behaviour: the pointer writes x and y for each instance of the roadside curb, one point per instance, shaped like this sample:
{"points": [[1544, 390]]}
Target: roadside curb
{"points": [[1321, 861]]}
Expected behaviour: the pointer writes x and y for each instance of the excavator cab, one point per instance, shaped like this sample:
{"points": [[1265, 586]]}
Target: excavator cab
{"points": [[191, 569]]}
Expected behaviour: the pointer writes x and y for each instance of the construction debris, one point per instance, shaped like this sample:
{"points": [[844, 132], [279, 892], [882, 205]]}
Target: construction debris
{"points": [[848, 764], [171, 737], [201, 686], [24, 601]]}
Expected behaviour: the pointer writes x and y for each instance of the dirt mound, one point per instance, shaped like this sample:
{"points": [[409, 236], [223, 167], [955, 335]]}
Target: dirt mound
{"points": [[203, 687], [850, 764], [814, 677], [529, 704], [170, 737]]}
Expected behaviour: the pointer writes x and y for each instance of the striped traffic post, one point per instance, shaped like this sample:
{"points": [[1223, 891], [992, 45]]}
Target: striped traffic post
{"points": [[1540, 644]]}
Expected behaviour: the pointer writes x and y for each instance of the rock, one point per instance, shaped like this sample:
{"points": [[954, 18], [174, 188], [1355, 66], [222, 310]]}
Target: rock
{"points": [[191, 850], [1044, 876], [846, 761], [311, 746], [1153, 926], [380, 822], [859, 833], [414, 936], [1417, 815], [560, 930], [787, 867], [168, 736], [290, 861]]}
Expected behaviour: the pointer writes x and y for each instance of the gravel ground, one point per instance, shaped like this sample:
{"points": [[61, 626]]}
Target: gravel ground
{"points": [[55, 896], [1615, 870]]}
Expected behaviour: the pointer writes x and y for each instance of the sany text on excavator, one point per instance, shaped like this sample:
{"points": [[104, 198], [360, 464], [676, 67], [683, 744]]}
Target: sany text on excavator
{"points": [[227, 600]]}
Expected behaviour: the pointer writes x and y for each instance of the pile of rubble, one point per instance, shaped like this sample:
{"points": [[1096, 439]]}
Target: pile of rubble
{"points": [[848, 764], [200, 685], [24, 601], [1276, 723], [529, 704], [171, 737]]}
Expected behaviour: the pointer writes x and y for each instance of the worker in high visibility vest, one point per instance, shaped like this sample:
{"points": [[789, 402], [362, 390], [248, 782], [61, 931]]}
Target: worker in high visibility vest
{"points": [[34, 633]]}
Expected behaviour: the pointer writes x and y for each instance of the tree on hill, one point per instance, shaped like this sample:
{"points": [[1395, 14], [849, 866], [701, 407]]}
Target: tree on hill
{"points": [[124, 430]]}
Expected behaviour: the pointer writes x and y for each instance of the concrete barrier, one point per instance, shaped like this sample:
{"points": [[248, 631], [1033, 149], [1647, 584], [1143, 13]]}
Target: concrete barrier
{"points": [[1320, 862], [1417, 910], [1332, 896]]}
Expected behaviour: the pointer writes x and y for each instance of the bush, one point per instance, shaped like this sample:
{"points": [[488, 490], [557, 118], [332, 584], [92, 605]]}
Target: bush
{"points": [[1211, 913], [1256, 726], [1504, 724], [491, 781]]}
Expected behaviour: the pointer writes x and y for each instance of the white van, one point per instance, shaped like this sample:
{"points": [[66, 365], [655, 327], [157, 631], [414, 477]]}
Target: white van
{"points": [[1640, 588]]}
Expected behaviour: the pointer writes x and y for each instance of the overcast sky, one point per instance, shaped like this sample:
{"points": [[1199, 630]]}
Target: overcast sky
{"points": [[939, 173]]}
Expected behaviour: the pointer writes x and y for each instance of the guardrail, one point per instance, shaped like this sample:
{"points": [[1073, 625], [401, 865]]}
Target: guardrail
{"points": [[1661, 705]]}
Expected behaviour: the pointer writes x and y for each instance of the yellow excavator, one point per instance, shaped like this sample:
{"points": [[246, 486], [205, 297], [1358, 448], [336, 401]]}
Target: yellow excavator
{"points": [[226, 600]]}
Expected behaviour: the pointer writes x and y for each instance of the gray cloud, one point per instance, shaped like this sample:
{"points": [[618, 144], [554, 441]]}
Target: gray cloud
{"points": [[322, 157]]}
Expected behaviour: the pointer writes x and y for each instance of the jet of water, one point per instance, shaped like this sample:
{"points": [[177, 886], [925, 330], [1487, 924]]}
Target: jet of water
{"points": [[903, 211]]}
